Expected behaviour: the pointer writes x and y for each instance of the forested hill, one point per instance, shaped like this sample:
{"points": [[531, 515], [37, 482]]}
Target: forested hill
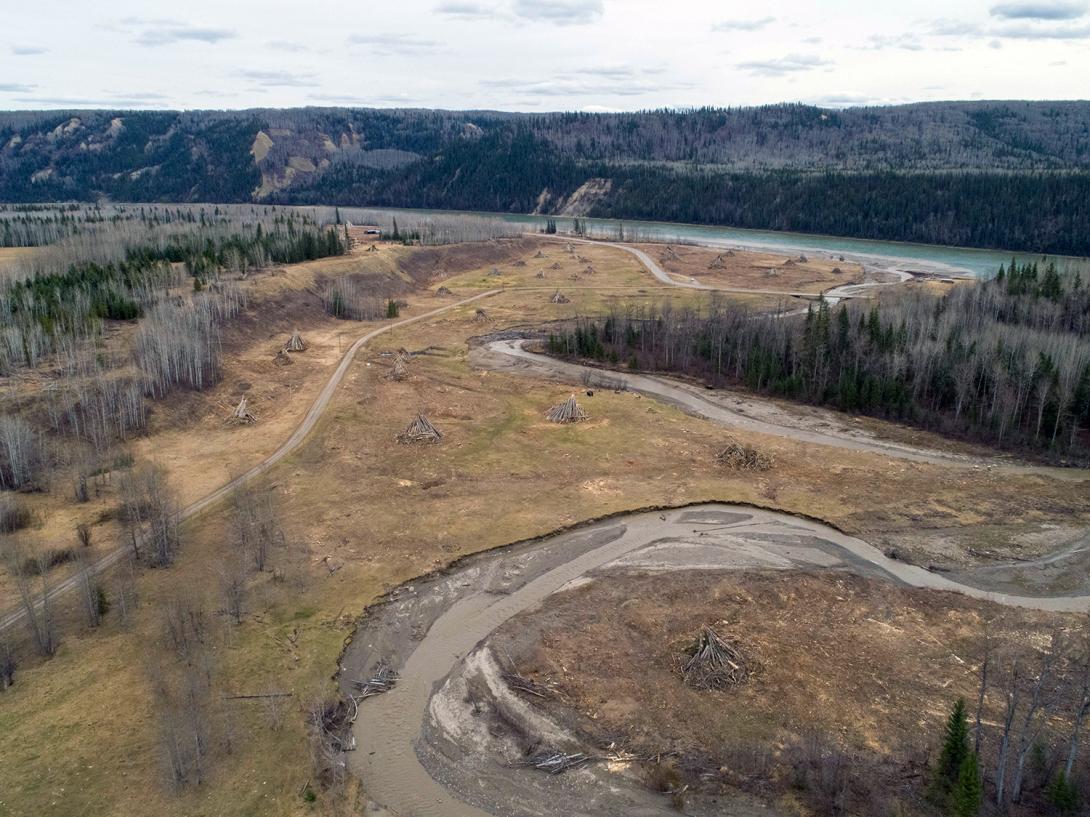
{"points": [[1011, 175]]}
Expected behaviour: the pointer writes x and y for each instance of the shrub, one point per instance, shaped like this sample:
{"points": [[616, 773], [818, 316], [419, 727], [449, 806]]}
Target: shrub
{"points": [[15, 515]]}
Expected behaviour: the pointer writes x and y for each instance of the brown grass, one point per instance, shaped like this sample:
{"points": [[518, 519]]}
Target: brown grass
{"points": [[80, 739]]}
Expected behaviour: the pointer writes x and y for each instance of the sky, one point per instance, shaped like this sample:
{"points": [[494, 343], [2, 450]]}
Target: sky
{"points": [[538, 55]]}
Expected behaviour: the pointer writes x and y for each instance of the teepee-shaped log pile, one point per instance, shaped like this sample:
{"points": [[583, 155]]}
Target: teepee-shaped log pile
{"points": [[480, 316], [400, 371], [567, 412], [571, 249], [559, 298], [670, 254], [556, 265], [718, 262], [420, 430], [712, 662], [540, 254], [295, 343], [540, 274], [283, 358], [589, 270], [242, 414], [442, 292]]}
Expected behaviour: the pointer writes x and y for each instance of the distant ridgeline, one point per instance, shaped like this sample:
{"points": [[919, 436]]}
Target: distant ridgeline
{"points": [[1013, 175]]}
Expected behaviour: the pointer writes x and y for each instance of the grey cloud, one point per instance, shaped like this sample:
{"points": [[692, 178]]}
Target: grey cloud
{"points": [[16, 88], [466, 11], [280, 79], [1040, 10], [743, 25], [394, 43], [560, 12], [1034, 32], [160, 31], [569, 85], [111, 103], [905, 42], [27, 50], [844, 100], [792, 63]]}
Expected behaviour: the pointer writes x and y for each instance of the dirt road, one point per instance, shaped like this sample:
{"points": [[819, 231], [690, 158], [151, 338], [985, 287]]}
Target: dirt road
{"points": [[757, 415], [428, 747], [321, 402]]}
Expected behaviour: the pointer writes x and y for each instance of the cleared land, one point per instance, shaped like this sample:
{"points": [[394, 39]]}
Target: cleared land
{"points": [[364, 514]]}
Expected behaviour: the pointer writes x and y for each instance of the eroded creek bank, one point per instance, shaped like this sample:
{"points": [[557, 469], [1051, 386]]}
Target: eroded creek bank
{"points": [[450, 738]]}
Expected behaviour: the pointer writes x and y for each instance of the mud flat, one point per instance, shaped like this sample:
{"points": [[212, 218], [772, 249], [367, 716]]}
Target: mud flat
{"points": [[450, 739]]}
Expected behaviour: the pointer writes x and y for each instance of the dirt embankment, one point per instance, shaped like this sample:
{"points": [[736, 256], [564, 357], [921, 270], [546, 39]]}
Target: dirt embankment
{"points": [[426, 265]]}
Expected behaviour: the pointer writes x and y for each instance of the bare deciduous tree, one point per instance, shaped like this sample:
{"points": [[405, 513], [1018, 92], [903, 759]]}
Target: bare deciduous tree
{"points": [[37, 604], [150, 515], [8, 664], [256, 522]]}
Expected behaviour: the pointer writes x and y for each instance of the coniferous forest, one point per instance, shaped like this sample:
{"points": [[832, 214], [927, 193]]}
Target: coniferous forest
{"points": [[1006, 361], [1010, 175]]}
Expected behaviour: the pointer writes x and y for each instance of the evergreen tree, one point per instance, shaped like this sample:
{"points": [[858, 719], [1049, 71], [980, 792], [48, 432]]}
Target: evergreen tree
{"points": [[1063, 795], [955, 749], [968, 794]]}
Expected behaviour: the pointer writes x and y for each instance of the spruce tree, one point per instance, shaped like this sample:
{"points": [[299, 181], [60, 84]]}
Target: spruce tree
{"points": [[955, 748], [968, 794]]}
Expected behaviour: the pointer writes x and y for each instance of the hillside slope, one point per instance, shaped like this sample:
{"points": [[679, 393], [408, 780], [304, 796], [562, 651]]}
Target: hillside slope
{"points": [[997, 174]]}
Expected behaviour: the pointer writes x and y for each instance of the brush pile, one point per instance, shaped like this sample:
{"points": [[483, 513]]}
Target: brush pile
{"points": [[567, 412], [559, 298], [742, 457], [295, 343], [400, 371], [540, 274], [712, 662], [420, 430], [283, 358], [242, 414]]}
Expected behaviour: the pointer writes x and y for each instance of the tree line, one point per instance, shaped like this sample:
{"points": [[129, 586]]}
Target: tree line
{"points": [[1006, 361]]}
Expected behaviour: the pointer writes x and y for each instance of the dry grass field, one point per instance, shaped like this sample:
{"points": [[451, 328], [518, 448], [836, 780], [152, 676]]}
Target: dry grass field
{"points": [[363, 513]]}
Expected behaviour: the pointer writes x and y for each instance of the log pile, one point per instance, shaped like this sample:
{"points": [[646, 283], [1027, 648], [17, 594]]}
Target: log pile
{"points": [[519, 263], [718, 262], [670, 254], [382, 680], [540, 254], [442, 292], [520, 683], [556, 265], [567, 412], [837, 271], [803, 259], [555, 762], [712, 662], [589, 270], [540, 274], [283, 358], [571, 249], [559, 298], [295, 343], [480, 316], [420, 430], [242, 414], [400, 371], [742, 457], [495, 272]]}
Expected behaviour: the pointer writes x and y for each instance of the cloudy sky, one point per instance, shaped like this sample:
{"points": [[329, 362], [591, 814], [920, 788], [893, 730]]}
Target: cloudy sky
{"points": [[536, 55]]}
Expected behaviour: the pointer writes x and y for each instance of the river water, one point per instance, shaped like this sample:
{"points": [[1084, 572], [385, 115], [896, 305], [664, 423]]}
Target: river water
{"points": [[885, 254]]}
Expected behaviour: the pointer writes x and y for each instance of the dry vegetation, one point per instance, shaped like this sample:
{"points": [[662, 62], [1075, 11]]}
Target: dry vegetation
{"points": [[851, 680], [753, 270], [361, 513]]}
